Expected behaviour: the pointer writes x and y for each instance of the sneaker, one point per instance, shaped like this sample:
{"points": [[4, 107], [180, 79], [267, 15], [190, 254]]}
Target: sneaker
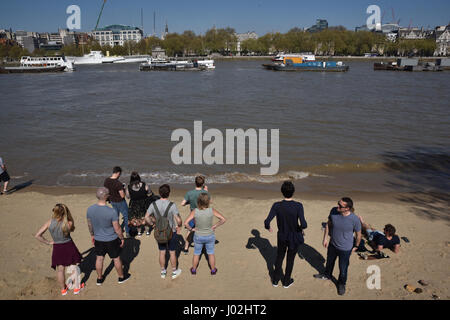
{"points": [[163, 274], [147, 233], [100, 281], [77, 291], [176, 273], [214, 271], [321, 276], [341, 289], [139, 234], [64, 291], [193, 271], [275, 283], [125, 278], [290, 282]]}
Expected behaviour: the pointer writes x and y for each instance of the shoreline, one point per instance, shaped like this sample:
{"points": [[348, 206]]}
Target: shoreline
{"points": [[238, 191]]}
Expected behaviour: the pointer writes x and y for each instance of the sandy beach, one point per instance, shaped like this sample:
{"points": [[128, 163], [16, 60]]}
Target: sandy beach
{"points": [[243, 272]]}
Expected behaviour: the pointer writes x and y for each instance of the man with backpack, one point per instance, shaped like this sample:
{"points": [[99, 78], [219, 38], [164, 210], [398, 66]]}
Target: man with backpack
{"points": [[164, 216]]}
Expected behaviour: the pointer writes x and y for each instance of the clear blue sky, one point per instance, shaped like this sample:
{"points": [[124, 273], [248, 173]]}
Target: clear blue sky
{"points": [[261, 16]]}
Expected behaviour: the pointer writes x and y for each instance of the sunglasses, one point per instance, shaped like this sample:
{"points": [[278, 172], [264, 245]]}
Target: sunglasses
{"points": [[341, 206]]}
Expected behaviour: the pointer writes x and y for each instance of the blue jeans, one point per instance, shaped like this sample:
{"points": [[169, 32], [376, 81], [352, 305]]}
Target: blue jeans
{"points": [[344, 262], [208, 241], [122, 207]]}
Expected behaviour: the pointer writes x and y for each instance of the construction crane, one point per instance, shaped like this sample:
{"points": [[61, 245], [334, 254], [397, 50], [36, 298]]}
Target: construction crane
{"points": [[101, 10]]}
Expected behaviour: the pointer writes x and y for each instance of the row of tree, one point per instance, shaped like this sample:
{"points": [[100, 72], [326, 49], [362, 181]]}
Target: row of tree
{"points": [[333, 41]]}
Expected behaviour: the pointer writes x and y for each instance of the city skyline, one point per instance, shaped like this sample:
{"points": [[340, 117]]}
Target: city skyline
{"points": [[261, 16]]}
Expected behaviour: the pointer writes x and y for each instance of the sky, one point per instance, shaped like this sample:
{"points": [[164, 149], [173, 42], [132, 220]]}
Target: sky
{"points": [[261, 16]]}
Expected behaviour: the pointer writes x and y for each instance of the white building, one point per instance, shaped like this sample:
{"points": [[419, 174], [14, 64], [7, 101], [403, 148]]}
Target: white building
{"points": [[114, 35], [242, 37], [442, 40]]}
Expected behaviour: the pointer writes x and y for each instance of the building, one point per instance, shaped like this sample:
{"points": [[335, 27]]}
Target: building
{"points": [[240, 37], [320, 25], [415, 33], [27, 40], [158, 53], [442, 34], [116, 34]]}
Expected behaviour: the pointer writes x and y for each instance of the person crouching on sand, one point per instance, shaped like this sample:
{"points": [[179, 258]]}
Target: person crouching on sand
{"points": [[204, 231], [65, 253]]}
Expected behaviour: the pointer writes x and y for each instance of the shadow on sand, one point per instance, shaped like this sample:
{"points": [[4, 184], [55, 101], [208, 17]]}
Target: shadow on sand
{"points": [[129, 251], [20, 186], [268, 252], [424, 174]]}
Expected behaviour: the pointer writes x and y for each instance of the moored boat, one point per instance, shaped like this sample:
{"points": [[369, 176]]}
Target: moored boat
{"points": [[299, 64], [407, 64], [155, 64], [32, 69], [40, 64], [95, 57]]}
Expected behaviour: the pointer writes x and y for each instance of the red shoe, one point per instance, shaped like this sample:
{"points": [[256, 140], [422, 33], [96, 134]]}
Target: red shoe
{"points": [[77, 291]]}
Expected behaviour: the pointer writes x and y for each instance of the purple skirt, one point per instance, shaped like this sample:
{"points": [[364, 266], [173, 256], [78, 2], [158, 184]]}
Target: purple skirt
{"points": [[65, 254]]}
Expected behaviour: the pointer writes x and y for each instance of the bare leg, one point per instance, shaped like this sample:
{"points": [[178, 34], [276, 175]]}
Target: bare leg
{"points": [[60, 276], [173, 260], [162, 259], [99, 266], [5, 186], [195, 260], [186, 243], [118, 266], [212, 261]]}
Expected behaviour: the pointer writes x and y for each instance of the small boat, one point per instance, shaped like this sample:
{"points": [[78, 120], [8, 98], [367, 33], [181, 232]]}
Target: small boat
{"points": [[40, 64], [305, 56], [299, 64], [407, 65], [157, 64]]}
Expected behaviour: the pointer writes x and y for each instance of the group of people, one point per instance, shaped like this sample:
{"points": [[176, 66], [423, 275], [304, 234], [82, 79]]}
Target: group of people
{"points": [[342, 236], [145, 209], [342, 233]]}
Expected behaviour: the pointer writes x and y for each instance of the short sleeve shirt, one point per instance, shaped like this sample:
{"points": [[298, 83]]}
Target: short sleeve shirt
{"points": [[102, 218], [1, 165], [342, 229], [381, 240], [162, 206], [114, 186], [192, 196]]}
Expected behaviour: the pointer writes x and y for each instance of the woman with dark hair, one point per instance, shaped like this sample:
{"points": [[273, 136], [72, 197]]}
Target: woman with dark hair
{"points": [[140, 196]]}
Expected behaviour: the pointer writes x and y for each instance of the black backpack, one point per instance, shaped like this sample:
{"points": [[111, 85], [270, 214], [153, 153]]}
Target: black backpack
{"points": [[163, 231]]}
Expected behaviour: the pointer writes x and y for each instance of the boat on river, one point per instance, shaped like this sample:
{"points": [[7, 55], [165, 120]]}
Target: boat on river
{"points": [[158, 64], [40, 64], [298, 63]]}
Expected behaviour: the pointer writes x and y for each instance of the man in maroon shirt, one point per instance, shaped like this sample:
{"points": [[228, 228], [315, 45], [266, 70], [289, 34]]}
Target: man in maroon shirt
{"points": [[117, 196]]}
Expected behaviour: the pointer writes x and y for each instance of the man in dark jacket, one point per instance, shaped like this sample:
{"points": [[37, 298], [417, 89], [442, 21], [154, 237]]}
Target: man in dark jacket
{"points": [[290, 233]]}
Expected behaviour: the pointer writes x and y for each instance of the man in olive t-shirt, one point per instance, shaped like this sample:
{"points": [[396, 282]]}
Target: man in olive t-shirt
{"points": [[191, 199]]}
